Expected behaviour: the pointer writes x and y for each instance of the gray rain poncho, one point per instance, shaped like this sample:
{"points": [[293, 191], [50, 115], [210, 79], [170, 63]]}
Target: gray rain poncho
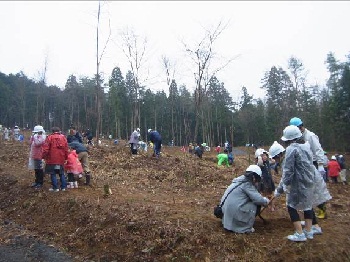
{"points": [[240, 206], [320, 191], [298, 177]]}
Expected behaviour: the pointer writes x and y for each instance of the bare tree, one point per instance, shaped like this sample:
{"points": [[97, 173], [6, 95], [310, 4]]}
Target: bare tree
{"points": [[168, 66], [99, 89], [202, 55], [40, 101], [134, 47]]}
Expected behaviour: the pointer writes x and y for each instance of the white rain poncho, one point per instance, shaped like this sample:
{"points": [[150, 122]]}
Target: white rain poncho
{"points": [[298, 177], [315, 146], [321, 193]]}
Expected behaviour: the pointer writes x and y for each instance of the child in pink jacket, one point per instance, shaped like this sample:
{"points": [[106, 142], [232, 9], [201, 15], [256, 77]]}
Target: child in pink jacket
{"points": [[73, 167]]}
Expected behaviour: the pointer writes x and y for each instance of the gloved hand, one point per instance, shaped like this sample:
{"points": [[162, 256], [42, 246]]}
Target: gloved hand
{"points": [[260, 161], [267, 201], [321, 170], [286, 189], [276, 193]]}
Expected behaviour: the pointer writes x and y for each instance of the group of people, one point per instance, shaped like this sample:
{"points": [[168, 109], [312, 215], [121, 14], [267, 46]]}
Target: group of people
{"points": [[302, 166], [336, 169], [154, 138], [225, 158], [58, 155], [9, 134]]}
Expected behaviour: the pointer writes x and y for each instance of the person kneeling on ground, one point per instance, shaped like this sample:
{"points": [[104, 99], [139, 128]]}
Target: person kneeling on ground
{"points": [[223, 158], [243, 201]]}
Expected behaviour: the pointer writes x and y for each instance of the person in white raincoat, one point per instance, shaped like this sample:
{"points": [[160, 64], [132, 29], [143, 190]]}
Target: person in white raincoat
{"points": [[317, 154], [134, 141], [243, 199], [298, 182], [321, 193], [37, 141]]}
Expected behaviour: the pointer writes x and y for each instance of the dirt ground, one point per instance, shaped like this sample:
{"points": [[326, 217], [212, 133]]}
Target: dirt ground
{"points": [[159, 210]]}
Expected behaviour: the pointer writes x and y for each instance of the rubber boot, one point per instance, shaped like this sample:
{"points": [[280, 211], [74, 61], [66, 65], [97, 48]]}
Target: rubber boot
{"points": [[87, 179], [75, 184], [321, 214]]}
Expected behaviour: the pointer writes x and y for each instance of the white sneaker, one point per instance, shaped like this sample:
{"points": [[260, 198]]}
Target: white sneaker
{"points": [[309, 234], [316, 230], [296, 237], [54, 190]]}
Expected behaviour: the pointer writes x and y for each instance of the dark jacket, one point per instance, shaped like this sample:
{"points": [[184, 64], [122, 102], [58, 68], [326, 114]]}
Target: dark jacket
{"points": [[78, 147], [77, 137], [89, 135], [154, 137], [341, 162]]}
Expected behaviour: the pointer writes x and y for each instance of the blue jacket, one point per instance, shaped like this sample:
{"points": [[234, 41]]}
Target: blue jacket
{"points": [[154, 136]]}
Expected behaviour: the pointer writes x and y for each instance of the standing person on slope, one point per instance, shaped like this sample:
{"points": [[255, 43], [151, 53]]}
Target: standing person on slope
{"points": [[134, 141], [297, 182], [55, 153], [37, 141], [317, 155], [320, 193]]}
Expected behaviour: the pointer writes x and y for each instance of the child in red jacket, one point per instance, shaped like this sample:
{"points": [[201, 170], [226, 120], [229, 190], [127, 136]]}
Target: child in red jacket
{"points": [[333, 169], [73, 167]]}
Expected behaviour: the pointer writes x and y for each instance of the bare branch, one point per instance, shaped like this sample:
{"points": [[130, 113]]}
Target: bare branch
{"points": [[109, 37]]}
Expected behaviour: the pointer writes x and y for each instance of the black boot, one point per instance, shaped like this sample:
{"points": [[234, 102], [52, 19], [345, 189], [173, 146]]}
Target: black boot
{"points": [[41, 176], [87, 179]]}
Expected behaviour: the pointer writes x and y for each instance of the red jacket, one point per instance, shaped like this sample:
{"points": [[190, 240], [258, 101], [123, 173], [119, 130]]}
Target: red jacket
{"points": [[55, 149], [333, 168]]}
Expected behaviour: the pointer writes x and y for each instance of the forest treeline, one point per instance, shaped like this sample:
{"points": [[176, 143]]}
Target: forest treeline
{"points": [[324, 109]]}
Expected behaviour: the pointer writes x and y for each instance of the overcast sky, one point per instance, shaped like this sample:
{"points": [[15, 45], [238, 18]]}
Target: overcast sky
{"points": [[260, 34]]}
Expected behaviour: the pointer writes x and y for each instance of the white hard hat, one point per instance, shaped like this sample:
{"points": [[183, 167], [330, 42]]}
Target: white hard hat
{"points": [[290, 133], [275, 149], [38, 129], [254, 168], [259, 152], [149, 130], [138, 129], [333, 158]]}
